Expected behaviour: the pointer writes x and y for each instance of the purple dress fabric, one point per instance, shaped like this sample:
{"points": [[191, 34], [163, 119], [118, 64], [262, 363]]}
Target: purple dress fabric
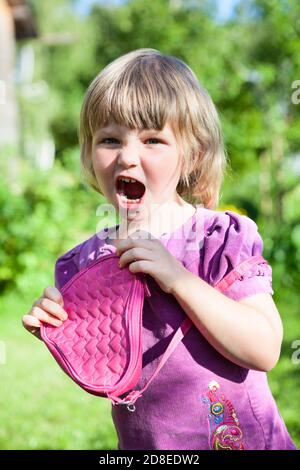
{"points": [[199, 400]]}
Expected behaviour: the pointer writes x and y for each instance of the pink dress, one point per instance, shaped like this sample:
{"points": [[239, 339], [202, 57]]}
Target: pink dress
{"points": [[199, 400]]}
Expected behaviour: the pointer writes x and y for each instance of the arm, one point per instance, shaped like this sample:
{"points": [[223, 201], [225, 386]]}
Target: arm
{"points": [[248, 332]]}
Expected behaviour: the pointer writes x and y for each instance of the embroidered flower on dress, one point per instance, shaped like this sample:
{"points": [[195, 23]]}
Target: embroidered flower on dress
{"points": [[224, 428]]}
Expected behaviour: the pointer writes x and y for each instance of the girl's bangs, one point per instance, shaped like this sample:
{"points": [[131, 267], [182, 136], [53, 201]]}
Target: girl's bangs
{"points": [[136, 102]]}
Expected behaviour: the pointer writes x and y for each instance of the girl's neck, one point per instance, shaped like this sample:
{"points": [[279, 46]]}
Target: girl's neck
{"points": [[165, 218]]}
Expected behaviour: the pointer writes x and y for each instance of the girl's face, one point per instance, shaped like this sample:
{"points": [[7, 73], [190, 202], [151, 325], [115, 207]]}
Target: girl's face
{"points": [[151, 157]]}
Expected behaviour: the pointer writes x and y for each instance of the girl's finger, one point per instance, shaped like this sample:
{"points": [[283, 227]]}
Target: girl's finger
{"points": [[53, 293], [45, 317], [52, 307], [32, 324], [135, 254], [30, 321]]}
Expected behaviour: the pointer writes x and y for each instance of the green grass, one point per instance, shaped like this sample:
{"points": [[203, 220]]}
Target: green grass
{"points": [[40, 408]]}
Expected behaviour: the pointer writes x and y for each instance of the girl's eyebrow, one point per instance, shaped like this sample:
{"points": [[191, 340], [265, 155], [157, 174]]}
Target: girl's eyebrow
{"points": [[104, 130], [109, 130]]}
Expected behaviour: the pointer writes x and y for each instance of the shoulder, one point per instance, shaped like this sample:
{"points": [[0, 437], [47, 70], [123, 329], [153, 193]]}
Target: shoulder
{"points": [[230, 233], [229, 239], [227, 232], [239, 226], [77, 258]]}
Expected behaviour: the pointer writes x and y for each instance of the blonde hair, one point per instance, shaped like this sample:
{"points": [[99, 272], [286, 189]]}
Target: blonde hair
{"points": [[146, 89]]}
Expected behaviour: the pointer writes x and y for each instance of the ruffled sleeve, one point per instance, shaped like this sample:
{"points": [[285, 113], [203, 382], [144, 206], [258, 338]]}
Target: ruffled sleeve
{"points": [[66, 267], [229, 239]]}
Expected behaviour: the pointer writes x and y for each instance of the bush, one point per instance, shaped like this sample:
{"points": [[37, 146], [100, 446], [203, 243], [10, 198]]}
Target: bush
{"points": [[49, 213]]}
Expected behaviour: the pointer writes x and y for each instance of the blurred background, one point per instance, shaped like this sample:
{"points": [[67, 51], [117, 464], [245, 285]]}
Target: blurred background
{"points": [[247, 55]]}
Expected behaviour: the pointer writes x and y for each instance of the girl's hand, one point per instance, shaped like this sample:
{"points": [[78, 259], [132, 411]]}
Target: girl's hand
{"points": [[48, 308], [148, 255]]}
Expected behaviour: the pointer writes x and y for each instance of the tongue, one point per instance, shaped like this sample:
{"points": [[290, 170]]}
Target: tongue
{"points": [[132, 190]]}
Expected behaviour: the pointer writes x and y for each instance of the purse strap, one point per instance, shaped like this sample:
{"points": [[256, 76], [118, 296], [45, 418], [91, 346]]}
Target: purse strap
{"points": [[185, 326]]}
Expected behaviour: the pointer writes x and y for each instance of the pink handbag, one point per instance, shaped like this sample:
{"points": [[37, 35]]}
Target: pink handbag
{"points": [[100, 344]]}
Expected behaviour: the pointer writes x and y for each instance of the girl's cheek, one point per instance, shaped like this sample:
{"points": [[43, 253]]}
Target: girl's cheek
{"points": [[102, 163]]}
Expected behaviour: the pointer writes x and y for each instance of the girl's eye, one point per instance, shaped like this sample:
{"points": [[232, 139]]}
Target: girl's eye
{"points": [[104, 141], [107, 139]]}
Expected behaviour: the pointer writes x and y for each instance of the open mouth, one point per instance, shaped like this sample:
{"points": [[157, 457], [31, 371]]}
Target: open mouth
{"points": [[130, 190]]}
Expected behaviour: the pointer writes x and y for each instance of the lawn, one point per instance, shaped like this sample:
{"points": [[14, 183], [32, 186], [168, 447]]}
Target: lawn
{"points": [[42, 409], [40, 406]]}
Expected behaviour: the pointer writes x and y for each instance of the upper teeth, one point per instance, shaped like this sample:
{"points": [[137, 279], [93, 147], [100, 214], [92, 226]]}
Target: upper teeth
{"points": [[128, 180]]}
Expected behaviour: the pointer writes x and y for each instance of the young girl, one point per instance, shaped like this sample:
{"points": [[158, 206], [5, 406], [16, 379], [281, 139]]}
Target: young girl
{"points": [[146, 117]]}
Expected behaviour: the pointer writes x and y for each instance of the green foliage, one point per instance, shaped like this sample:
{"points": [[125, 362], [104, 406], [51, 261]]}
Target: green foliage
{"points": [[50, 212]]}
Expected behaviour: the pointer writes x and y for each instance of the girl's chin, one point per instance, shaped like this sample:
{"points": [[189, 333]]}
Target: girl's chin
{"points": [[128, 207]]}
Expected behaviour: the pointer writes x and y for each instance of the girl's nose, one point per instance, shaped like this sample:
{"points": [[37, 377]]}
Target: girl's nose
{"points": [[129, 154]]}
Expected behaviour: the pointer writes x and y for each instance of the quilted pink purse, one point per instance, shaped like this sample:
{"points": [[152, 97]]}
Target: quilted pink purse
{"points": [[100, 344]]}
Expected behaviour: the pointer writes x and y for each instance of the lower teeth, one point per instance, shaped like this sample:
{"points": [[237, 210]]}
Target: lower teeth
{"points": [[125, 199]]}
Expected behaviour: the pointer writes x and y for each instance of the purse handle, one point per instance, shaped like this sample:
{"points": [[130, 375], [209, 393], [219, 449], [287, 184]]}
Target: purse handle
{"points": [[185, 326]]}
